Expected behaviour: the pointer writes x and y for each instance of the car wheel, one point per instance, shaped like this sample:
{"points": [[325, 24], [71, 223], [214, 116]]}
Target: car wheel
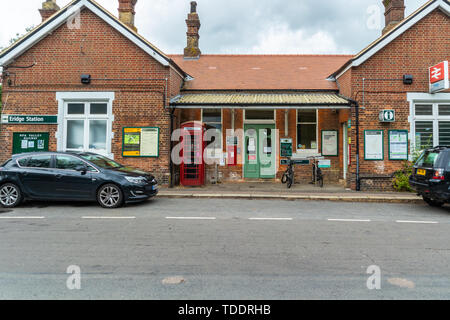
{"points": [[433, 203], [110, 196], [10, 195]]}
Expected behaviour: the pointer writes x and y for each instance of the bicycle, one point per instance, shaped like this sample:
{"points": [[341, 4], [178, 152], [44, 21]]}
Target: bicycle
{"points": [[317, 176], [288, 175]]}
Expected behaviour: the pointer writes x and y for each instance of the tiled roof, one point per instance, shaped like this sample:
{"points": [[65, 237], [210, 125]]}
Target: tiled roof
{"points": [[261, 72], [262, 99]]}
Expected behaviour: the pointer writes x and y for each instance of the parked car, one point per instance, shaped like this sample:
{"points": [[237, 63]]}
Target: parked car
{"points": [[431, 176], [72, 176]]}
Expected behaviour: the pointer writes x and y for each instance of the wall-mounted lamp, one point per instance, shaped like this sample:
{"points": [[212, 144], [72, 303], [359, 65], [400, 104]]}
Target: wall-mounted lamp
{"points": [[85, 78], [407, 79]]}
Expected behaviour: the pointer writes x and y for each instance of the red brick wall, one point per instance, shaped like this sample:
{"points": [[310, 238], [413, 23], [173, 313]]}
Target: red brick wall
{"points": [[423, 45], [99, 50]]}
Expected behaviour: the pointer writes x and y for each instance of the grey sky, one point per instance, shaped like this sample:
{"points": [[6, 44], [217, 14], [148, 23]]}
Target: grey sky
{"points": [[239, 26]]}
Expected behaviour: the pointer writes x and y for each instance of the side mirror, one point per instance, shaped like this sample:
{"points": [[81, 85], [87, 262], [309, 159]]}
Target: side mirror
{"points": [[81, 168]]}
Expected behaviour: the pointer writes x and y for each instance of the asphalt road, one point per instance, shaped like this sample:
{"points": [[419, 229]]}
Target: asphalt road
{"points": [[225, 249]]}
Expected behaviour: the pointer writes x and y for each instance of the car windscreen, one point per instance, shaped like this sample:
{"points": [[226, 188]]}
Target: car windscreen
{"points": [[428, 159], [101, 161]]}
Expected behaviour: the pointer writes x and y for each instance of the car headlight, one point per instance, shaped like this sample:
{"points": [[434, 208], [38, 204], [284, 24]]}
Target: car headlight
{"points": [[137, 180]]}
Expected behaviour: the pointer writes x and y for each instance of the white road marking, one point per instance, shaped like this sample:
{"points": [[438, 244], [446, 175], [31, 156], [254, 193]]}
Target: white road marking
{"points": [[191, 218], [108, 218], [422, 222], [22, 217], [271, 219], [349, 220]]}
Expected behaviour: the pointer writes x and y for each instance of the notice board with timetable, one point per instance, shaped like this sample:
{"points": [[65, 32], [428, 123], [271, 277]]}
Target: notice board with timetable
{"points": [[374, 145], [398, 145], [24, 142], [141, 142]]}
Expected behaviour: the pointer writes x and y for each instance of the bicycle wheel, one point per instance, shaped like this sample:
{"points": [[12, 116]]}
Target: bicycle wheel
{"points": [[289, 182], [321, 182]]}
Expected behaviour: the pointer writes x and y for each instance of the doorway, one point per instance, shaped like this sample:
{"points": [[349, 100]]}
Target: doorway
{"points": [[259, 151]]}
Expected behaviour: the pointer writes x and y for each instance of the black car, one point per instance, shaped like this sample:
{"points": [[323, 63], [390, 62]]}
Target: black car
{"points": [[431, 176], [72, 176]]}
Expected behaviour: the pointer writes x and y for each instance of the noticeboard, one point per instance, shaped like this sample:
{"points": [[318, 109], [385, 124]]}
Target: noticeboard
{"points": [[140, 142], [24, 142], [398, 145], [330, 145], [286, 148], [374, 145]]}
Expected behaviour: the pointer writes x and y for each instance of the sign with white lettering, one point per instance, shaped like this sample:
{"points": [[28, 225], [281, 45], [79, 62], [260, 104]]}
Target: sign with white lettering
{"points": [[439, 77], [141, 142], [29, 119]]}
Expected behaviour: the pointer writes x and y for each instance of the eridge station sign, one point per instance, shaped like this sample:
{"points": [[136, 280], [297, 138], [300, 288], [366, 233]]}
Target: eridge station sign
{"points": [[29, 119]]}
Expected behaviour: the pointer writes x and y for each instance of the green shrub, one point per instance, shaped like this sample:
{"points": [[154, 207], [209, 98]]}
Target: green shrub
{"points": [[401, 178]]}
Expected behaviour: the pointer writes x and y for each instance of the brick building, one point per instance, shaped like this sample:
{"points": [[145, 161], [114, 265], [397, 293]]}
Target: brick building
{"points": [[99, 82]]}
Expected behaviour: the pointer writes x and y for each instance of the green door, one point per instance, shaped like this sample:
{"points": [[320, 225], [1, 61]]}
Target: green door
{"points": [[259, 151]]}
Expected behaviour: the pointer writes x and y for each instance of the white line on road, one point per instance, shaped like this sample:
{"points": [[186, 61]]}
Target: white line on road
{"points": [[22, 217], [108, 217], [191, 218], [271, 219], [349, 220], [423, 222]]}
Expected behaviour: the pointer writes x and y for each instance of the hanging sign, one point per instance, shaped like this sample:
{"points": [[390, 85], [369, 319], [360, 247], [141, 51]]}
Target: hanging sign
{"points": [[373, 145], [29, 119], [286, 148], [439, 77], [398, 145], [330, 143], [140, 142]]}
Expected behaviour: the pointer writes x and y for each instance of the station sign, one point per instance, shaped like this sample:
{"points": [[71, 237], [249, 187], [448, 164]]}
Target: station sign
{"points": [[439, 77], [29, 119]]}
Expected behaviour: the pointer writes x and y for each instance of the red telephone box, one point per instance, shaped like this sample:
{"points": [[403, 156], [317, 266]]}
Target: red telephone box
{"points": [[192, 168]]}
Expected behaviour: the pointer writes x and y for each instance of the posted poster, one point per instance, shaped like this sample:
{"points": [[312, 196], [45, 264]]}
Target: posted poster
{"points": [[373, 145], [330, 143], [398, 145], [141, 142]]}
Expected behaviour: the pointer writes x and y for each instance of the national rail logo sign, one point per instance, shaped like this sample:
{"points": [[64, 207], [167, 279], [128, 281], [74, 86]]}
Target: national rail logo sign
{"points": [[439, 77]]}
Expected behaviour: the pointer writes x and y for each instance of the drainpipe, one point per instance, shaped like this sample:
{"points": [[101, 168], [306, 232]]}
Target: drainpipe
{"points": [[358, 178]]}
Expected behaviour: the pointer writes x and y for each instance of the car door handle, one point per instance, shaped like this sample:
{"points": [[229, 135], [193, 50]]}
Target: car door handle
{"points": [[59, 176]]}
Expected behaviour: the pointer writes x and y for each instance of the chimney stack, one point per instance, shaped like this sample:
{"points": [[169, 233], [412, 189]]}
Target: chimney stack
{"points": [[394, 13], [192, 51], [49, 7], [127, 12]]}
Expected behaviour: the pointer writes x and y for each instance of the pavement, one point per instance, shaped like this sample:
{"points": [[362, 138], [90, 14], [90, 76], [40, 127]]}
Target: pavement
{"points": [[271, 190], [228, 249]]}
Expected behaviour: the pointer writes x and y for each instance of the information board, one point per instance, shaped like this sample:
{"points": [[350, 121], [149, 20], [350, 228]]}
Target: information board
{"points": [[286, 148], [30, 142], [330, 143], [398, 145], [141, 142], [373, 145]]}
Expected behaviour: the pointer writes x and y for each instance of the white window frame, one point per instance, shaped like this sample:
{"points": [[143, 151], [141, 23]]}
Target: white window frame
{"points": [[307, 151], [431, 99], [221, 123], [65, 98]]}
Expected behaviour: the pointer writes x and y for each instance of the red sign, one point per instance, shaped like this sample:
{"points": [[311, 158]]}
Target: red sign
{"points": [[437, 72]]}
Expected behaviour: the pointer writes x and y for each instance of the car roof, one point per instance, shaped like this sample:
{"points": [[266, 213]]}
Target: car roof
{"points": [[72, 153]]}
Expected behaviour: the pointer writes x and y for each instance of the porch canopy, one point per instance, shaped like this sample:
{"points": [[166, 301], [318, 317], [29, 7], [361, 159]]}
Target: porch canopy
{"points": [[258, 100]]}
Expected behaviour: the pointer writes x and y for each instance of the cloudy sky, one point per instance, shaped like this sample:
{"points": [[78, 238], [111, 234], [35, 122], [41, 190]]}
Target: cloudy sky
{"points": [[239, 26]]}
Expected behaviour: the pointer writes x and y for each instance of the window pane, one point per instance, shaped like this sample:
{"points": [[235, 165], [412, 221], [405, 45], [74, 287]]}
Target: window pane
{"points": [[306, 136], [211, 115], [424, 110], [75, 134], [215, 136], [424, 134], [444, 133], [444, 110], [97, 134], [39, 162], [307, 116], [23, 162], [68, 162], [99, 108], [259, 114], [75, 108]]}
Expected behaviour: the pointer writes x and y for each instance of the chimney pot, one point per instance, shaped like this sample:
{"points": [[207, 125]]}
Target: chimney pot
{"points": [[49, 8], [394, 13], [127, 12]]}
